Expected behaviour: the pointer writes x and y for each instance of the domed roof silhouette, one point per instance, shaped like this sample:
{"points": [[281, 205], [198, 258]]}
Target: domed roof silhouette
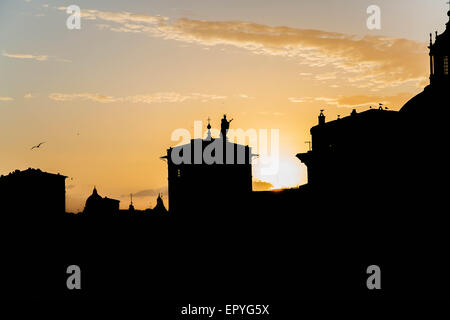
{"points": [[94, 196], [429, 102]]}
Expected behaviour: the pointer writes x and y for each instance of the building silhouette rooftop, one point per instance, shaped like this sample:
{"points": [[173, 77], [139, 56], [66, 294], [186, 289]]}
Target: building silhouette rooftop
{"points": [[205, 172], [33, 190], [377, 149], [30, 172]]}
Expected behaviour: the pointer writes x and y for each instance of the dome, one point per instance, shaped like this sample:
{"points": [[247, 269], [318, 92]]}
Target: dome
{"points": [[431, 101], [94, 196]]}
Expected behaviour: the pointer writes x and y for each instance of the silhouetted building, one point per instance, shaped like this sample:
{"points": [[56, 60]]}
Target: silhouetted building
{"points": [[33, 192], [351, 147], [382, 152], [439, 53], [158, 210], [208, 174], [97, 206]]}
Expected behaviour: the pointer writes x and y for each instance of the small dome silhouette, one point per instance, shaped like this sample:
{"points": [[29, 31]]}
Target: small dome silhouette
{"points": [[94, 196]]}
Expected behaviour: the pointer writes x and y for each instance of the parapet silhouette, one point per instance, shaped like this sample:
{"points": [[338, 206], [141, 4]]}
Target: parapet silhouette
{"points": [[34, 194]]}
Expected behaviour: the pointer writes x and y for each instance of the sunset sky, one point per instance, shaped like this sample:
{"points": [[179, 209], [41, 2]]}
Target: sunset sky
{"points": [[106, 98]]}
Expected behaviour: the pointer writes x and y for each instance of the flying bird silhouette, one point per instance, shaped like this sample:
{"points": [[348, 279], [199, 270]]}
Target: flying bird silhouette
{"points": [[37, 146]]}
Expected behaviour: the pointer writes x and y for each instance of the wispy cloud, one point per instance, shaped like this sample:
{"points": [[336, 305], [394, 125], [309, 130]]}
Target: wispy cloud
{"points": [[394, 101], [25, 56], [327, 100], [354, 101], [159, 97], [28, 56], [6, 98], [147, 193], [326, 76], [312, 100], [127, 19], [296, 100], [369, 59], [84, 96], [172, 97], [244, 96], [372, 60]]}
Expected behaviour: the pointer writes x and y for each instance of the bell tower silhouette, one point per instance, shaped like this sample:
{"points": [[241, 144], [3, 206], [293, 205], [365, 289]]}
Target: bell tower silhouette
{"points": [[439, 53]]}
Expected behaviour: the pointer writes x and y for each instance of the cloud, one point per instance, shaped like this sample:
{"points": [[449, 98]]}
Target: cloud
{"points": [[28, 96], [24, 56], [312, 100], [362, 100], [84, 96], [28, 56], [6, 98], [296, 100], [171, 97], [326, 100], [326, 76], [397, 100], [147, 193], [159, 97], [127, 21], [372, 60], [259, 185], [244, 96]]}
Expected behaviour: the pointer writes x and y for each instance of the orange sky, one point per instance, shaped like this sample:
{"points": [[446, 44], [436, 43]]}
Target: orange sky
{"points": [[106, 98]]}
